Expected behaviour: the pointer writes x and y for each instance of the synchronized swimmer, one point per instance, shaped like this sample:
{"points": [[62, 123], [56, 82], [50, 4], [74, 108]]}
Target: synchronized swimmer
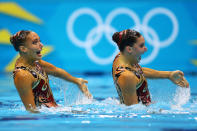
{"points": [[31, 73], [129, 77]]}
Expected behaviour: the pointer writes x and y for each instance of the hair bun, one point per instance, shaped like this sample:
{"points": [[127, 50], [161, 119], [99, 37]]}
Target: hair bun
{"points": [[115, 37], [12, 40]]}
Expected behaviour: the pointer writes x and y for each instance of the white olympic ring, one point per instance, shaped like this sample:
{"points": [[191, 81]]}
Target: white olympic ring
{"points": [[107, 29]]}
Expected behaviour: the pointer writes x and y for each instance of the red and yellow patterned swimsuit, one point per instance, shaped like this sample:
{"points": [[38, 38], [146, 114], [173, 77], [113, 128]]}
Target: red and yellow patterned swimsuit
{"points": [[41, 90], [141, 88]]}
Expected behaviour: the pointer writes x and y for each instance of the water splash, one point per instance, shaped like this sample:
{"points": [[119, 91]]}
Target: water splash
{"points": [[74, 102], [181, 97]]}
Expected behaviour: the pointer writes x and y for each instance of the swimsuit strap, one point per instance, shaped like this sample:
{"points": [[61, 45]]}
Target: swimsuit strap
{"points": [[34, 74], [121, 69]]}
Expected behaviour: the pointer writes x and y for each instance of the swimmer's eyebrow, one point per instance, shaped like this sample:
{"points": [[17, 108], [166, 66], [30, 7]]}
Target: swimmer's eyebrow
{"points": [[36, 40]]}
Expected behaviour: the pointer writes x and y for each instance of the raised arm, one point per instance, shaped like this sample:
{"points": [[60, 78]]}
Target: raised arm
{"points": [[127, 83], [176, 77], [58, 72], [23, 81]]}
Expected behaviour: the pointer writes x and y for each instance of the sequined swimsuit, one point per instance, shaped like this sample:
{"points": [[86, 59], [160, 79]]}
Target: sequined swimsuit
{"points": [[41, 90], [141, 87]]}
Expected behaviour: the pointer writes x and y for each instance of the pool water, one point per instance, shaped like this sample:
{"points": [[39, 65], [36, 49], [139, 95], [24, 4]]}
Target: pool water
{"points": [[174, 108]]}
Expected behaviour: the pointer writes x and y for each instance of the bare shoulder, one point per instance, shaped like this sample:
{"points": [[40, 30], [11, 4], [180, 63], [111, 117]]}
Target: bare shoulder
{"points": [[23, 74], [127, 78], [23, 77]]}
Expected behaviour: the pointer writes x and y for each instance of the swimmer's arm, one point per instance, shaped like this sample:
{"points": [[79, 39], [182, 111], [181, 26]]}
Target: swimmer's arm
{"points": [[150, 73], [23, 82], [128, 82], [177, 77], [58, 72]]}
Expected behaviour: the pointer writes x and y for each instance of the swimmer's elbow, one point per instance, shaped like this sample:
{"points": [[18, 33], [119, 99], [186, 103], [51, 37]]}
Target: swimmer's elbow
{"points": [[32, 110], [129, 103], [130, 97]]}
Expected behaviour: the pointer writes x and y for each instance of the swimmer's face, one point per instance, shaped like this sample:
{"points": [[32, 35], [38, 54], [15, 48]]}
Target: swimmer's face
{"points": [[139, 48], [33, 46]]}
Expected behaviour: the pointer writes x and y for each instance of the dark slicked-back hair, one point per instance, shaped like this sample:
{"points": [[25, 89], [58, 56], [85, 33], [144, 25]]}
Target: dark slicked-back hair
{"points": [[19, 39], [125, 38]]}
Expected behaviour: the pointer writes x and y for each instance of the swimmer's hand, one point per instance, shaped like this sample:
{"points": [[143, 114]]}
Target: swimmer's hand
{"points": [[83, 87], [177, 77]]}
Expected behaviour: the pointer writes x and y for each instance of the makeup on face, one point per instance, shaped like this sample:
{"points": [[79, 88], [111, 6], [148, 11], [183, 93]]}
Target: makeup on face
{"points": [[34, 45]]}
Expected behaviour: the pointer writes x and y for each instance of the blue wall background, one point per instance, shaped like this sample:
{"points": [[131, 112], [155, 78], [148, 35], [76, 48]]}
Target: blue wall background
{"points": [[80, 31]]}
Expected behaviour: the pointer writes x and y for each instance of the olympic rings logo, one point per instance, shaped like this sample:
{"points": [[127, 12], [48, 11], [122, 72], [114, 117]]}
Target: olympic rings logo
{"points": [[107, 29]]}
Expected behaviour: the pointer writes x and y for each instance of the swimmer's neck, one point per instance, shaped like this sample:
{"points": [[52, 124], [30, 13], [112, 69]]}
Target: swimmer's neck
{"points": [[26, 60], [128, 59]]}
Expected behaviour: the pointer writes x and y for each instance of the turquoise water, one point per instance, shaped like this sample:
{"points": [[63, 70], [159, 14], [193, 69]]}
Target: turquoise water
{"points": [[175, 108]]}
